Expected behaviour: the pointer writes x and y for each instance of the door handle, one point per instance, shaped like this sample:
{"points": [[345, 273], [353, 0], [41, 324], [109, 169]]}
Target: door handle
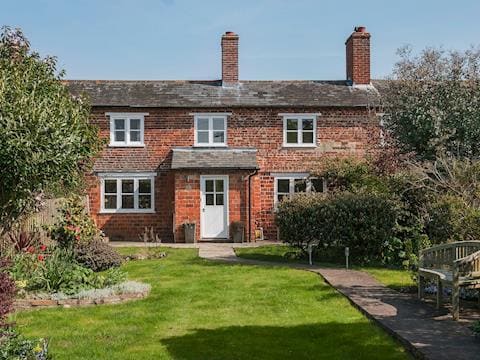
{"points": [[203, 209]]}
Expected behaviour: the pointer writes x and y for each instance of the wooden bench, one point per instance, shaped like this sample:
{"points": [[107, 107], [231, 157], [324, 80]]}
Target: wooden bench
{"points": [[455, 265]]}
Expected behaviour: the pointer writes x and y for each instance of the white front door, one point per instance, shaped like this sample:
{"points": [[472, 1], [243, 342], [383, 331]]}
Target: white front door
{"points": [[214, 207]]}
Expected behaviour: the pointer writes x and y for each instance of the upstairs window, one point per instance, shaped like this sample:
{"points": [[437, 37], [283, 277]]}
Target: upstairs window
{"points": [[127, 193], [287, 185], [299, 130], [210, 130], [127, 129]]}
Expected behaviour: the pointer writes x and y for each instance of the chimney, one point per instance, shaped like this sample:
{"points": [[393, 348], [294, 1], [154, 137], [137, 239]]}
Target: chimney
{"points": [[358, 56], [229, 59]]}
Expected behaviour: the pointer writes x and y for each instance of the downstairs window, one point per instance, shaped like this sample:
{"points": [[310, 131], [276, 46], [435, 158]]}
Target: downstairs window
{"points": [[127, 193]]}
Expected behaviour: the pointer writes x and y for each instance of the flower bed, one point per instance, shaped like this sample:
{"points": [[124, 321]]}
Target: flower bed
{"points": [[126, 291]]}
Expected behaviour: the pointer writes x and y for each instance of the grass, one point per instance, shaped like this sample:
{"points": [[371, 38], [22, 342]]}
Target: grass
{"points": [[397, 279], [205, 310]]}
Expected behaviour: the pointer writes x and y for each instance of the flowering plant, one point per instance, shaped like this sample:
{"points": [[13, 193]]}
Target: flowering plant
{"points": [[74, 225]]}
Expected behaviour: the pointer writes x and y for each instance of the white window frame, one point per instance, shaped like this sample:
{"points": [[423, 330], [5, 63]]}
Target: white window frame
{"points": [[127, 176], [127, 117], [210, 117], [292, 177], [299, 118]]}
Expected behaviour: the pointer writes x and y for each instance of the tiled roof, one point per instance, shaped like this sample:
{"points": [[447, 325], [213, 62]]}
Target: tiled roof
{"points": [[214, 158], [213, 94]]}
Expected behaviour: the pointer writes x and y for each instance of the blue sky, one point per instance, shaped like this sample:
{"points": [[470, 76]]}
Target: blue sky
{"points": [[174, 39]]}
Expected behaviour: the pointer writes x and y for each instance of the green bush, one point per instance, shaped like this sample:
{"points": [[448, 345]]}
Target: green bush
{"points": [[58, 272], [15, 346], [97, 255], [450, 219], [363, 222]]}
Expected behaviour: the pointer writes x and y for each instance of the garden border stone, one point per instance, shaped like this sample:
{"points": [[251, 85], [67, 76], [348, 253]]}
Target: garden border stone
{"points": [[24, 304]]}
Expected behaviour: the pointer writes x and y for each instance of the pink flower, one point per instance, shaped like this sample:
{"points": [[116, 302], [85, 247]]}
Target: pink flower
{"points": [[31, 249], [41, 257], [43, 247]]}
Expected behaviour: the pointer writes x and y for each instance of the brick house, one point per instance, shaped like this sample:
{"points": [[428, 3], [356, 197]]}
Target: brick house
{"points": [[217, 152]]}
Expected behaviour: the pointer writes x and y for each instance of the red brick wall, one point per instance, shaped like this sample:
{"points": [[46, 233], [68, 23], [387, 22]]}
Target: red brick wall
{"points": [[187, 199], [357, 49], [340, 132]]}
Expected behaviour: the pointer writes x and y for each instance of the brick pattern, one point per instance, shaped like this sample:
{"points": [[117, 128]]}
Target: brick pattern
{"points": [[21, 304], [187, 199], [358, 57], [229, 58], [340, 132]]}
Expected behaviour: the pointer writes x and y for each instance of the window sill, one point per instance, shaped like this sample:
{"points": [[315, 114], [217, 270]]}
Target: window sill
{"points": [[302, 146], [126, 145], [210, 145], [127, 211]]}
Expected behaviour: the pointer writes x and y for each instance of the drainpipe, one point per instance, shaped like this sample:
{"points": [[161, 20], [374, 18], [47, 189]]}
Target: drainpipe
{"points": [[249, 177]]}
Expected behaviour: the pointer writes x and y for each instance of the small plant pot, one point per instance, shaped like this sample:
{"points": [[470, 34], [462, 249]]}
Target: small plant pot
{"points": [[238, 231], [189, 229]]}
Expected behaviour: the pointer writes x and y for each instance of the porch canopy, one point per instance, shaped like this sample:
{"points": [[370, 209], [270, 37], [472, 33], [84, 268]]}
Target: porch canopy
{"points": [[214, 158]]}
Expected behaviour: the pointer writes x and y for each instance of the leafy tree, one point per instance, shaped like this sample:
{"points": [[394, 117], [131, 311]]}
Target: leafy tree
{"points": [[432, 105], [46, 141]]}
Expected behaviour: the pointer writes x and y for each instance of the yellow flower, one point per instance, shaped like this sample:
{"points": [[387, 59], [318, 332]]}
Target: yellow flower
{"points": [[38, 348], [21, 284]]}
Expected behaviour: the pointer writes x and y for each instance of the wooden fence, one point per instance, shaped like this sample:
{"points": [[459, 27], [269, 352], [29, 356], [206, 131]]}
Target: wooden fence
{"points": [[45, 217]]}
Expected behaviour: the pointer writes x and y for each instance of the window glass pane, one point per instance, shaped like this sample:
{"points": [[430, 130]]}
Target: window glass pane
{"points": [[292, 124], [110, 186], [209, 199], [218, 124], [219, 137], [209, 185], [307, 137], [134, 124], [127, 186], [317, 185], [144, 202], [300, 185], [119, 136], [202, 137], [110, 202], [283, 186], [119, 124], [144, 186], [127, 202], [292, 137], [219, 199], [307, 124], [219, 185], [202, 124], [135, 136]]}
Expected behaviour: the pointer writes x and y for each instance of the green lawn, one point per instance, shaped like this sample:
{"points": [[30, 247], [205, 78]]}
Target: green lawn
{"points": [[204, 310], [393, 278]]}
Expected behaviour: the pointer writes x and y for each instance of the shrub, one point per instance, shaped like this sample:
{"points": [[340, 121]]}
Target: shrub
{"points": [[58, 272], [450, 219], [97, 255], [74, 225], [7, 292], [15, 346], [21, 239], [363, 222], [299, 221]]}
